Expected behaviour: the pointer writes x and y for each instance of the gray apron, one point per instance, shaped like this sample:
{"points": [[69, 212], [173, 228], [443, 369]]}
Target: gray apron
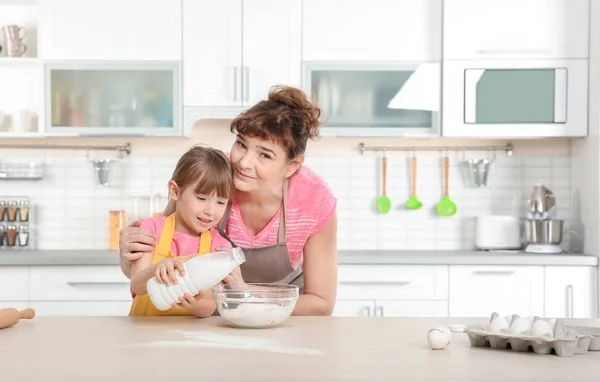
{"points": [[270, 264]]}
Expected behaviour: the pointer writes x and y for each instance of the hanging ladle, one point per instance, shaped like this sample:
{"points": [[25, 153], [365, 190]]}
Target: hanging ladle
{"points": [[446, 207], [413, 202], [384, 204]]}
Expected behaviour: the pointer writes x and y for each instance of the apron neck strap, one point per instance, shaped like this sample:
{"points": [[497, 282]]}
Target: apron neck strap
{"points": [[166, 237], [281, 234]]}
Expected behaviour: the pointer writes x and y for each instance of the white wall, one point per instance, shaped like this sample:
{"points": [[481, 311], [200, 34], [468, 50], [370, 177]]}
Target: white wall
{"points": [[72, 211]]}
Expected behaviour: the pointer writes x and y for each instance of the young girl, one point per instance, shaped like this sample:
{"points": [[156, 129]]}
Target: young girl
{"points": [[200, 187]]}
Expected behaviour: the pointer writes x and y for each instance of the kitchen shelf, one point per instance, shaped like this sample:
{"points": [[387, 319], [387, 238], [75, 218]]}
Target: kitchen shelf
{"points": [[21, 171]]}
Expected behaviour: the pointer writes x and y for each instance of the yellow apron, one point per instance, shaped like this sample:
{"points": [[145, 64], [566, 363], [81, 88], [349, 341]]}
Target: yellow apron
{"points": [[141, 305]]}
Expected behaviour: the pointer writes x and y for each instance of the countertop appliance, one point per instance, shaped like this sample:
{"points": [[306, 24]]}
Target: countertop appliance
{"points": [[542, 230], [498, 232]]}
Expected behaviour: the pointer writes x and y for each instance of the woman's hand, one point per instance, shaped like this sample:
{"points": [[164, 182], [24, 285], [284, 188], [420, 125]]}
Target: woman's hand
{"points": [[135, 242], [235, 277], [165, 271]]}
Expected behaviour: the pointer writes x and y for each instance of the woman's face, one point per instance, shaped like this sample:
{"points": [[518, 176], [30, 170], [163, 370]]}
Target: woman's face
{"points": [[260, 165]]}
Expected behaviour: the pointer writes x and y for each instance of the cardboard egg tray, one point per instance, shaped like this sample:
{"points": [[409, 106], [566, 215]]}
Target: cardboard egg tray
{"points": [[568, 341]]}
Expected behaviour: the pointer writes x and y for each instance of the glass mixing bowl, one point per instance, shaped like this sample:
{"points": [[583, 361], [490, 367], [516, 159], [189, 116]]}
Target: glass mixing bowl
{"points": [[255, 305]]}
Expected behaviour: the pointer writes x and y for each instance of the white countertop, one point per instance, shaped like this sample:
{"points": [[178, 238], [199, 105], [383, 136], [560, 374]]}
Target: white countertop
{"points": [[400, 257], [302, 349]]}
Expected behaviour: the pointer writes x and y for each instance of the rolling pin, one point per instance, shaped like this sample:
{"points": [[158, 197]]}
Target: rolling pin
{"points": [[11, 316]]}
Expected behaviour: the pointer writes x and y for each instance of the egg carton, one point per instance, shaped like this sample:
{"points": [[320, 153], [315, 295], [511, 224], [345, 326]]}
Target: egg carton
{"points": [[563, 340]]}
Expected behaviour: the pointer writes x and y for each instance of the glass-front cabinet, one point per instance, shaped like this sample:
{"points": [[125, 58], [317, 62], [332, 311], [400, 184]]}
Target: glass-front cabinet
{"points": [[388, 99], [113, 99]]}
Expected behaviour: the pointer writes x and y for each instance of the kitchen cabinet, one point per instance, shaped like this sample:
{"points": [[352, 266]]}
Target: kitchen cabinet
{"points": [[113, 99], [477, 291], [78, 283], [136, 30], [516, 29], [353, 308], [14, 283], [371, 30], [390, 308], [569, 292], [235, 50], [398, 290], [80, 308], [376, 99]]}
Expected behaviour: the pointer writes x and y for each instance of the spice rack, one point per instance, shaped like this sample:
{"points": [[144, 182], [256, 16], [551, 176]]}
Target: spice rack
{"points": [[16, 220]]}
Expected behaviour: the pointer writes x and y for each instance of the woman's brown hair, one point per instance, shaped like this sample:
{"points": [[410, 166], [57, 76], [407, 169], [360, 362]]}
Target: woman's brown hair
{"points": [[207, 169], [286, 117]]}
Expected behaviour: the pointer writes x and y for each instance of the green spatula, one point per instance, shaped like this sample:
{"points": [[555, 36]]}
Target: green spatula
{"points": [[414, 203], [384, 204], [445, 206]]}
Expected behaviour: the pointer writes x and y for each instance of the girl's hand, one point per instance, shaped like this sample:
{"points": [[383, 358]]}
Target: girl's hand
{"points": [[198, 305], [235, 277], [165, 271]]}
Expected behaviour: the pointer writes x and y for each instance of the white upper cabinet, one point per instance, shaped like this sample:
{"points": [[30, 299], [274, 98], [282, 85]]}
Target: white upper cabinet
{"points": [[212, 52], [110, 30], [235, 50], [516, 29], [271, 46], [371, 30]]}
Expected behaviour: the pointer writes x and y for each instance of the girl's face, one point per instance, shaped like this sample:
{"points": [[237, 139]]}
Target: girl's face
{"points": [[260, 165], [196, 213]]}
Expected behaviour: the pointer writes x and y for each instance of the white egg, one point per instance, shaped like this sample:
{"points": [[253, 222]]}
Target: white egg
{"points": [[541, 328], [520, 326], [499, 325], [439, 338]]}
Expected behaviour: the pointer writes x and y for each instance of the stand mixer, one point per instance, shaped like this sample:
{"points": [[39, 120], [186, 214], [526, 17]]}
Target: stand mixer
{"points": [[543, 231]]}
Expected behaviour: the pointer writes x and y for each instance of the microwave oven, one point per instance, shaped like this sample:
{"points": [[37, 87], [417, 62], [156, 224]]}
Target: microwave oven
{"points": [[515, 98]]}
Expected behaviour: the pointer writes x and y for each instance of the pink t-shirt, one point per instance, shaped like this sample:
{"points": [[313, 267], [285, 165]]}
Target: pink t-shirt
{"points": [[182, 244], [310, 205]]}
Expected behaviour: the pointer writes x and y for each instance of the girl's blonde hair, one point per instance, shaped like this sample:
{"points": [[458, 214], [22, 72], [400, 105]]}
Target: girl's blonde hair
{"points": [[207, 169]]}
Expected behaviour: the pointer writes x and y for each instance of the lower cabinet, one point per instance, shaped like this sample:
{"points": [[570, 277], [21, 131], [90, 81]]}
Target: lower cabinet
{"points": [[477, 291], [77, 290], [570, 292], [390, 308], [81, 308]]}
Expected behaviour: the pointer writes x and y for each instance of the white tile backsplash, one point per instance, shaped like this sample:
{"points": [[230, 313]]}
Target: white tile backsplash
{"points": [[72, 211]]}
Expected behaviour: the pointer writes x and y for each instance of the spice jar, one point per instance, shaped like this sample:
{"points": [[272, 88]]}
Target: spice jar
{"points": [[12, 210], [23, 235], [2, 235], [24, 210], [2, 210], [11, 235], [116, 222]]}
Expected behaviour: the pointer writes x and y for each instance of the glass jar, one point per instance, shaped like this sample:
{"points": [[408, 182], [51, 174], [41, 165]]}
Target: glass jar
{"points": [[116, 222]]}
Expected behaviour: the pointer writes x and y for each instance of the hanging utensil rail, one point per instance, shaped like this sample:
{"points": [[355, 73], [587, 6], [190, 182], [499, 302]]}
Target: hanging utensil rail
{"points": [[508, 148], [121, 149]]}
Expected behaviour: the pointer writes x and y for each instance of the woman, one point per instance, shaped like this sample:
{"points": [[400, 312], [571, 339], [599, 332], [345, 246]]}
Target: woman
{"points": [[283, 215]]}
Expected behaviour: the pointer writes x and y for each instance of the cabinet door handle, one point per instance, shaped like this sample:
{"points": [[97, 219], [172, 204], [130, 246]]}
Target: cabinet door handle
{"points": [[493, 273], [235, 83], [247, 83], [380, 307], [96, 283], [569, 301], [368, 310], [513, 51], [378, 282]]}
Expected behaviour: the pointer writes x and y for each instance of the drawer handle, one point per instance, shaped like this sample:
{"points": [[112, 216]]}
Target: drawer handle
{"points": [[494, 273], [96, 283], [396, 283]]}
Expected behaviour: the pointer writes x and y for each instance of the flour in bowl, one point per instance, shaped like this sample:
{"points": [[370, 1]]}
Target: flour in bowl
{"points": [[253, 313]]}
